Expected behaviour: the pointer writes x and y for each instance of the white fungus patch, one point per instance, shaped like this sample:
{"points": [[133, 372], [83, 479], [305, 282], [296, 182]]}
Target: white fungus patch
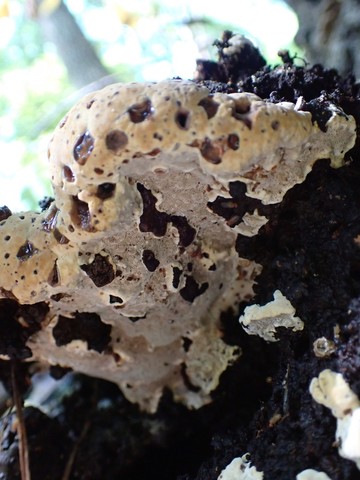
{"points": [[240, 469], [264, 320], [130, 241], [311, 474], [331, 390]]}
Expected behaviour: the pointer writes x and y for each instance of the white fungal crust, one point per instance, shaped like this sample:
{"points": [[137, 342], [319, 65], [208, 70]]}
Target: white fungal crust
{"points": [[311, 474], [264, 320], [131, 249], [241, 469], [331, 390]]}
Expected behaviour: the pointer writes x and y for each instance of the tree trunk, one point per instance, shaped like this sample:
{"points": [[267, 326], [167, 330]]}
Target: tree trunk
{"points": [[329, 32], [82, 63]]}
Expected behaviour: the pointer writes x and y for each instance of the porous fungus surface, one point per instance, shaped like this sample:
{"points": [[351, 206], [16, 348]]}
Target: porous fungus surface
{"points": [[132, 258]]}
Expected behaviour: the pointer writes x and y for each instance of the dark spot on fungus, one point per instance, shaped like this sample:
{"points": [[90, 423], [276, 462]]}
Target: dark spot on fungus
{"points": [[83, 148], [68, 174], [275, 125], [26, 251], [59, 237], [89, 104], [176, 277], [5, 213], [210, 106], [192, 289], [210, 151], [114, 299], [100, 271], [150, 261], [140, 111], [7, 238], [63, 122], [182, 119], [233, 141], [105, 190], [87, 327], [116, 140], [98, 171], [136, 319], [80, 214], [187, 342], [53, 279]]}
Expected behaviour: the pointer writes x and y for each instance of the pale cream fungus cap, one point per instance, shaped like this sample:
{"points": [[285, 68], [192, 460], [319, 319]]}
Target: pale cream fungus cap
{"points": [[130, 246]]}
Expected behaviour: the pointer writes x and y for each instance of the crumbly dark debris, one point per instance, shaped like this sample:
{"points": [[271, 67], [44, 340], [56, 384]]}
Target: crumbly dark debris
{"points": [[87, 327], [45, 203], [17, 324], [26, 251], [100, 270], [230, 68], [5, 213]]}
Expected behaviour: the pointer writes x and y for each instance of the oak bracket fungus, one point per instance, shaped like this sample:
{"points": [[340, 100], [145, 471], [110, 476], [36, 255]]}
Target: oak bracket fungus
{"points": [[131, 243]]}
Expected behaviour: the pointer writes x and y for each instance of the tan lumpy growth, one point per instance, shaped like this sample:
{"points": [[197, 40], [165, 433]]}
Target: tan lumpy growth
{"points": [[132, 261]]}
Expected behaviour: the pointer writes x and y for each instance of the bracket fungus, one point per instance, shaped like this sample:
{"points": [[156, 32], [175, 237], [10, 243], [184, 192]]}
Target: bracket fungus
{"points": [[132, 259]]}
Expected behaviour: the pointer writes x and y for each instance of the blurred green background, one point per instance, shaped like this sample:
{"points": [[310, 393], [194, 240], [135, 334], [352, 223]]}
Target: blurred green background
{"points": [[54, 51]]}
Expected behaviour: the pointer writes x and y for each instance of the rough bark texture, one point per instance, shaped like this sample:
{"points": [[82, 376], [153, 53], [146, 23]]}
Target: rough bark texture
{"points": [[329, 32]]}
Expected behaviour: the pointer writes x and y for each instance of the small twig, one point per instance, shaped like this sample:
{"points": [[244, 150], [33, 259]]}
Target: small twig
{"points": [[72, 456], [21, 430]]}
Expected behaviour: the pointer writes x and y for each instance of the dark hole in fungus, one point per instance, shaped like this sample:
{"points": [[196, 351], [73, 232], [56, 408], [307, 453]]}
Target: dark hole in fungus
{"points": [[187, 380], [80, 214], [192, 289], [136, 319], [83, 148], [186, 231], [59, 237], [151, 219], [210, 106], [17, 324], [49, 222], [87, 327], [98, 171], [68, 174], [150, 261], [233, 141], [5, 213], [105, 190], [176, 276], [275, 125], [187, 342], [140, 111], [210, 152], [116, 140], [26, 251], [100, 271], [182, 119], [53, 279], [114, 299]]}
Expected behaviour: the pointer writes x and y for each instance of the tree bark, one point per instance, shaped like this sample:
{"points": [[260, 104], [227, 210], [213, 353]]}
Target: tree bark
{"points": [[82, 63], [329, 32]]}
